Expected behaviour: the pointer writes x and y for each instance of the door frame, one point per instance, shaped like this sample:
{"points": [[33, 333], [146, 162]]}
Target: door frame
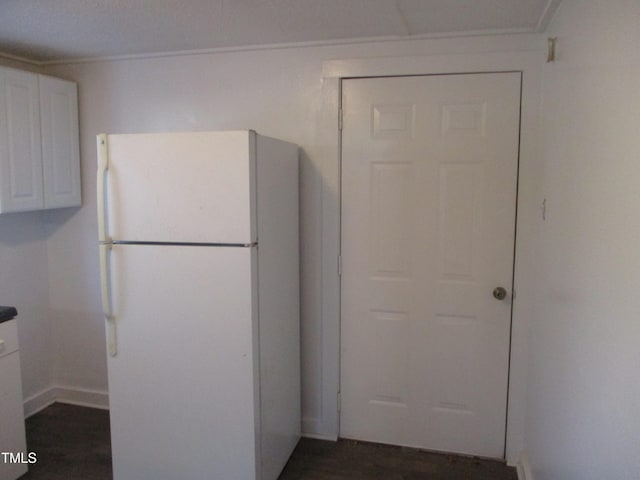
{"points": [[529, 63]]}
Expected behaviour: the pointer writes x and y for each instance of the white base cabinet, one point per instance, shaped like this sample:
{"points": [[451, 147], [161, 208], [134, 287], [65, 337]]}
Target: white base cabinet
{"points": [[12, 435], [39, 144]]}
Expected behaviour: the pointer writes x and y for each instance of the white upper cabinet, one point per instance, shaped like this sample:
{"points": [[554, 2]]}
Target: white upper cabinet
{"points": [[39, 146]]}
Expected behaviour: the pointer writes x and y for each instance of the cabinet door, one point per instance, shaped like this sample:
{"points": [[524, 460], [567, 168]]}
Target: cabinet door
{"points": [[60, 147], [20, 154], [12, 435]]}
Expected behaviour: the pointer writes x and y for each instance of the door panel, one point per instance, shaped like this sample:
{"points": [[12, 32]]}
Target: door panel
{"points": [[20, 149], [182, 187], [60, 145], [184, 375], [429, 172]]}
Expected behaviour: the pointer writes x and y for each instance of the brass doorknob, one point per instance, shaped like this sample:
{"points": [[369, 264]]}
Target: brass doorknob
{"points": [[499, 293]]}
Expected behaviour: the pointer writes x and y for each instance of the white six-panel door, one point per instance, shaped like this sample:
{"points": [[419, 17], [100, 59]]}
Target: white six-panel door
{"points": [[429, 177]]}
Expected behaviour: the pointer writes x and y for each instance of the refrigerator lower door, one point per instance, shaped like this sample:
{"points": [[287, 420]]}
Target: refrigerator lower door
{"points": [[182, 389]]}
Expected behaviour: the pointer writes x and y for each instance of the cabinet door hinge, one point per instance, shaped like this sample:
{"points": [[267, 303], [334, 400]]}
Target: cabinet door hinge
{"points": [[340, 265], [339, 402], [340, 118]]}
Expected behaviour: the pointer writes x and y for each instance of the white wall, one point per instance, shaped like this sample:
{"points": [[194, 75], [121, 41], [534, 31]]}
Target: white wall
{"points": [[24, 284], [277, 93], [583, 419]]}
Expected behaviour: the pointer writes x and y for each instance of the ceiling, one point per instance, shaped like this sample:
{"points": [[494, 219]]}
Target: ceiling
{"points": [[59, 30]]}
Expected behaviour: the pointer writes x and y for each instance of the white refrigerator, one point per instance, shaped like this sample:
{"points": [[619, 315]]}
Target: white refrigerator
{"points": [[200, 284]]}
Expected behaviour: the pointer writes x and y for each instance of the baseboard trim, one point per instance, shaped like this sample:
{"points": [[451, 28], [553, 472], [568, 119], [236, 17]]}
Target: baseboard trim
{"points": [[524, 468], [65, 394], [315, 436], [83, 397], [39, 401], [311, 428]]}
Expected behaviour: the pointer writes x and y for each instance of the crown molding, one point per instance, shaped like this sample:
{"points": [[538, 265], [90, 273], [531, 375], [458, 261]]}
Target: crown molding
{"points": [[271, 46]]}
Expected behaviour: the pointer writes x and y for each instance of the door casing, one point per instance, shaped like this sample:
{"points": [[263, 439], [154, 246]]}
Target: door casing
{"points": [[324, 421]]}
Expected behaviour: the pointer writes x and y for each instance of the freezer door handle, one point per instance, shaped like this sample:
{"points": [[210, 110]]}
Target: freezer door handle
{"points": [[103, 166], [105, 287]]}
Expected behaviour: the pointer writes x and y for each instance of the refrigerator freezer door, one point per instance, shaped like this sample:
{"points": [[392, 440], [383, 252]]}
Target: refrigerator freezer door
{"points": [[182, 389], [195, 187]]}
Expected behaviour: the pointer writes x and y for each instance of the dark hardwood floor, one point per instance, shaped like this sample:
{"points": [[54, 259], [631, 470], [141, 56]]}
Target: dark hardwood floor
{"points": [[72, 443], [351, 460]]}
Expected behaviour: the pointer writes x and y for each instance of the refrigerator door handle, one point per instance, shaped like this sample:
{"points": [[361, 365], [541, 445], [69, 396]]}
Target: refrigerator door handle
{"points": [[105, 287], [103, 166]]}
